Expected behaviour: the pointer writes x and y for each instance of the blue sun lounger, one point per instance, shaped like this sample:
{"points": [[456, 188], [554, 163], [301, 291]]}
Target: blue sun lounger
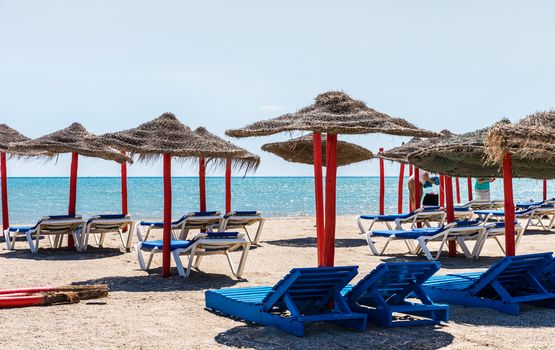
{"points": [[306, 293], [504, 286], [198, 220], [383, 293]]}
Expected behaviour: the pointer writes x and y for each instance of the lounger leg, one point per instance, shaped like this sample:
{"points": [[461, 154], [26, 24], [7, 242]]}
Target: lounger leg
{"points": [[361, 226], [8, 240], [140, 258], [179, 264], [138, 233], [197, 262], [130, 237], [371, 244], [466, 251], [258, 232], [32, 246], [248, 234], [152, 252], [243, 260], [231, 266]]}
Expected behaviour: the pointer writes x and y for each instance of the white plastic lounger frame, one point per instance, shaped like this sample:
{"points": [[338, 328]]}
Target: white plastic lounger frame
{"points": [[99, 226], [47, 227], [495, 233], [202, 247], [180, 228], [424, 217], [233, 222], [536, 219]]}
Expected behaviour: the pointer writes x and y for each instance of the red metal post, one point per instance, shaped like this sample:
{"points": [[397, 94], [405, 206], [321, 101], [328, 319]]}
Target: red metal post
{"points": [[228, 185], [509, 205], [124, 207], [382, 186], [331, 173], [417, 188], [319, 197], [469, 183], [400, 188], [450, 211], [4, 175], [544, 190], [166, 238], [458, 189], [442, 191], [202, 183], [72, 191]]}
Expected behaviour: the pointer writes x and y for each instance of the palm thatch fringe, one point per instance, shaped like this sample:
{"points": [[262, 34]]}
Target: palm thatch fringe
{"points": [[400, 153]]}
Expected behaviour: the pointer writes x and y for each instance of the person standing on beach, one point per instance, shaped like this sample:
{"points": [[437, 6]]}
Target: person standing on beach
{"points": [[425, 181], [482, 189]]}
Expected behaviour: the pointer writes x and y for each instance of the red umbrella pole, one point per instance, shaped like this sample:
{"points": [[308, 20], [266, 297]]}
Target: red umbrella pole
{"points": [[450, 211], [319, 197], [400, 188], [458, 189], [4, 175], [202, 183], [509, 205], [417, 188], [331, 173], [124, 208], [544, 190], [228, 185], [382, 186], [166, 239], [469, 182], [72, 191]]}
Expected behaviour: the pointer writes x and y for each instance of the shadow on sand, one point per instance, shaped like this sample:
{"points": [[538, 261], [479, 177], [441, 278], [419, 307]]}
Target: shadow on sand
{"points": [[530, 317], [329, 336], [305, 242], [64, 253], [154, 282]]}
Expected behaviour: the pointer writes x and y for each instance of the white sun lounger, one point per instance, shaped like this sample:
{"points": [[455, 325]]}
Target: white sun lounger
{"points": [[495, 230], [241, 220], [200, 220], [100, 225], [424, 216], [209, 243], [54, 227]]}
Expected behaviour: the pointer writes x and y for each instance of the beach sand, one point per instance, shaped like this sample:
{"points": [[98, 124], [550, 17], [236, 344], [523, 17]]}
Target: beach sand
{"points": [[147, 312]]}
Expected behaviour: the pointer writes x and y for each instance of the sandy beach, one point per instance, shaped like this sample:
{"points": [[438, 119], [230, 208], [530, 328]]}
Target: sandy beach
{"points": [[147, 312]]}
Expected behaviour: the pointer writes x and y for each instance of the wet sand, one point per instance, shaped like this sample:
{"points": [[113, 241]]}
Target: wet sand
{"points": [[144, 311]]}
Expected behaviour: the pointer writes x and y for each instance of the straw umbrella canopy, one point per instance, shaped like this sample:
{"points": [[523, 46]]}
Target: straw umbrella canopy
{"points": [[532, 139], [400, 153], [244, 160], [166, 137], [465, 156], [7, 136], [301, 150], [332, 113]]}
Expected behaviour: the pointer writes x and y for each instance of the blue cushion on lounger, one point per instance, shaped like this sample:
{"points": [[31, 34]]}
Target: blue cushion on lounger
{"points": [[408, 234], [465, 223], [62, 217], [221, 234], [430, 207], [243, 213], [21, 228], [462, 209], [174, 244], [106, 217], [391, 217], [206, 213]]}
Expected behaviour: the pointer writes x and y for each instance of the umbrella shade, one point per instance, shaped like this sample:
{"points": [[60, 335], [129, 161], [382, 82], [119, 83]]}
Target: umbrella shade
{"points": [[9, 135], [301, 150], [464, 156], [74, 138], [334, 112], [166, 135], [531, 139], [243, 159], [400, 153]]}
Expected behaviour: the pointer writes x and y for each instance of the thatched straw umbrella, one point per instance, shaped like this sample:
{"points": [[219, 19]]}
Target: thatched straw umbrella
{"points": [[245, 160], [301, 150], [165, 137], [76, 140], [7, 135], [523, 149], [400, 154], [332, 113]]}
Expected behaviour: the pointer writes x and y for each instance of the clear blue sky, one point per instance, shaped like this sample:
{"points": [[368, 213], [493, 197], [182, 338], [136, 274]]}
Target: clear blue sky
{"points": [[111, 65]]}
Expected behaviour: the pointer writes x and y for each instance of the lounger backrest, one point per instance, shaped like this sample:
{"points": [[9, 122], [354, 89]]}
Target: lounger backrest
{"points": [[243, 213], [511, 271], [393, 279], [204, 213], [310, 288], [107, 217]]}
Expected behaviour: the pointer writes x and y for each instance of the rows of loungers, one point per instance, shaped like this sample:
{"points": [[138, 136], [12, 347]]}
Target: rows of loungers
{"points": [[214, 235], [420, 227], [394, 294]]}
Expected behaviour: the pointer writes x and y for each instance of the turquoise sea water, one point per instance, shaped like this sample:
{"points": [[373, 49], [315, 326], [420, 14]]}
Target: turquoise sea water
{"points": [[30, 198]]}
